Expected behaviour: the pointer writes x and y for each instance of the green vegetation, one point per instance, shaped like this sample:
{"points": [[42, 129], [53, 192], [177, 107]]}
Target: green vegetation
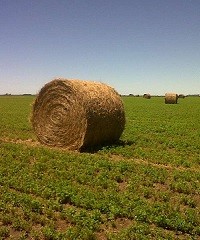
{"points": [[145, 187]]}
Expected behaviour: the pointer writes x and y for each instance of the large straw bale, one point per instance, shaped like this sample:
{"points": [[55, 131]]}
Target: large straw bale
{"points": [[147, 96], [77, 114], [171, 98]]}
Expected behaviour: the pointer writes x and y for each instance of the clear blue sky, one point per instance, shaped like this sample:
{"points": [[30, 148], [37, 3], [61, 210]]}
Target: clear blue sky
{"points": [[136, 46]]}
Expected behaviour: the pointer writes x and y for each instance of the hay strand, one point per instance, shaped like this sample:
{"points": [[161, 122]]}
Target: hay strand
{"points": [[171, 98], [77, 114]]}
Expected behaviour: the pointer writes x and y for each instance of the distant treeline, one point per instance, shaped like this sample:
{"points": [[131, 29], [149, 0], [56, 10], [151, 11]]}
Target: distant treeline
{"points": [[180, 95], [25, 94]]}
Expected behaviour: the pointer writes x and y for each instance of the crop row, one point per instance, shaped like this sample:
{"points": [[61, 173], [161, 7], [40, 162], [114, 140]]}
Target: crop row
{"points": [[86, 191]]}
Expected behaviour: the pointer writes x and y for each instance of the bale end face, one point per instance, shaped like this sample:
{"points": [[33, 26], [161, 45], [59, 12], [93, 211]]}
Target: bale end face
{"points": [[171, 98]]}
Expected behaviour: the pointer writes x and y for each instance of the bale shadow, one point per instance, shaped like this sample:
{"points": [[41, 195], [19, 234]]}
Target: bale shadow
{"points": [[94, 149]]}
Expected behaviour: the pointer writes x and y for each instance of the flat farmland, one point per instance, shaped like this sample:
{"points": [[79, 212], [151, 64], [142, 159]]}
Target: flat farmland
{"points": [[147, 186]]}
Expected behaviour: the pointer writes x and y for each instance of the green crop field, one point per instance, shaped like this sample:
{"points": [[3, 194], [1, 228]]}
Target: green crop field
{"points": [[147, 186]]}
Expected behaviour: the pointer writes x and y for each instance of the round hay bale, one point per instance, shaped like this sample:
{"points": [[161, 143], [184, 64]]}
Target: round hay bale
{"points": [[181, 96], [171, 98], [77, 114], [147, 96]]}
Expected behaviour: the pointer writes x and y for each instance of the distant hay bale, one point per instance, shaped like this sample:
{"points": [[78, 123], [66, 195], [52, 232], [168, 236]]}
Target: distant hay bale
{"points": [[181, 96], [147, 96], [77, 114], [171, 98]]}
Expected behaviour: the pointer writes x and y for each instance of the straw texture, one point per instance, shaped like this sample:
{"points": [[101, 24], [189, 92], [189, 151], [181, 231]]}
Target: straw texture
{"points": [[171, 98], [77, 114]]}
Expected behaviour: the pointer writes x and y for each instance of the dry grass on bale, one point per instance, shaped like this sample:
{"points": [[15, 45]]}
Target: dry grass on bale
{"points": [[171, 98], [77, 114], [147, 96]]}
